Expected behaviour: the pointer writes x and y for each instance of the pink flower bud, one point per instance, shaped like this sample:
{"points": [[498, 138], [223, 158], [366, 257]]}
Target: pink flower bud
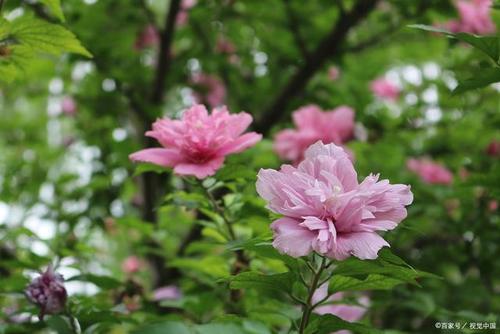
{"points": [[494, 148], [68, 106], [48, 292], [131, 265]]}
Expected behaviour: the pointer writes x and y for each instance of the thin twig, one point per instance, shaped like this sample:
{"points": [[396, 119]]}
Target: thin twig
{"points": [[293, 24], [308, 307]]}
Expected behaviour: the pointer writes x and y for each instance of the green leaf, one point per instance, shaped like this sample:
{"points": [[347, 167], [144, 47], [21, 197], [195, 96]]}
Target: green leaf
{"points": [[59, 324], [55, 8], [256, 280], [372, 282], [147, 167], [46, 37], [104, 282], [219, 329], [163, 328], [490, 45], [387, 264], [484, 77], [328, 323]]}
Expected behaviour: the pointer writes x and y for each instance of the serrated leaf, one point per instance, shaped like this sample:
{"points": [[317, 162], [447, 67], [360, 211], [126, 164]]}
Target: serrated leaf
{"points": [[46, 37], [55, 8], [484, 77], [256, 280]]}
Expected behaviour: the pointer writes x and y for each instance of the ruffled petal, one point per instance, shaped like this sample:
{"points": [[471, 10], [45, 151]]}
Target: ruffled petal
{"points": [[363, 245], [292, 239], [240, 144], [201, 171]]}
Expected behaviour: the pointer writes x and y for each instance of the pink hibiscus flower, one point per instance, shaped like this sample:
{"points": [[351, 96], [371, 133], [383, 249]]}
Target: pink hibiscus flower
{"points": [[326, 210], [429, 171], [68, 106], [169, 292], [493, 149], [131, 264], [385, 89], [345, 312], [312, 124], [333, 73], [183, 14], [148, 37], [209, 89], [198, 143]]}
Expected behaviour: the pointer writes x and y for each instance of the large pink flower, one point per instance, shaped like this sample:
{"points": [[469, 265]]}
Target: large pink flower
{"points": [[312, 124], [385, 89], [197, 144], [346, 312], [208, 89], [326, 210], [429, 171]]}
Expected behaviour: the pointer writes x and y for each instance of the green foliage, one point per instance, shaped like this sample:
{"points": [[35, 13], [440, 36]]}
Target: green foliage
{"points": [[24, 38], [70, 196]]}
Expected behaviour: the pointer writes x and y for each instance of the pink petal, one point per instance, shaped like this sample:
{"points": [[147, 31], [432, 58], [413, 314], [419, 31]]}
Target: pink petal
{"points": [[159, 156], [240, 144], [292, 239], [363, 245], [201, 171]]}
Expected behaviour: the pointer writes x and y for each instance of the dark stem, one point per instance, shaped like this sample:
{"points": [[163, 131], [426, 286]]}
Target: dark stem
{"points": [[241, 260], [73, 322], [330, 47], [309, 307], [1, 5], [164, 59]]}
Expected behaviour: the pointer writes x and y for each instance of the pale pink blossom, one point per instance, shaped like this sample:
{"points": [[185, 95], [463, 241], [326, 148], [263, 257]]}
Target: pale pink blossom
{"points": [[326, 210], [313, 124], [333, 73], [331, 305], [68, 106], [148, 37], [493, 148], [385, 89], [131, 264], [208, 90], [493, 205], [475, 17], [225, 46], [429, 171], [170, 292], [198, 143], [183, 14]]}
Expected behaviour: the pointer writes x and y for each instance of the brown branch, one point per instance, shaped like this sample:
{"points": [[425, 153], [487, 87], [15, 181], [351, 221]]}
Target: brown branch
{"points": [[151, 182], [164, 59], [328, 48], [294, 28]]}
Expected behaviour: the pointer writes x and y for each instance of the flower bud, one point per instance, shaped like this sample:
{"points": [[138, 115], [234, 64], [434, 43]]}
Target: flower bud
{"points": [[48, 292]]}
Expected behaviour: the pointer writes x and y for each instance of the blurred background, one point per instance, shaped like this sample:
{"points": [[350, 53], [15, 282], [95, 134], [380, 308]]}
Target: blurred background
{"points": [[69, 194]]}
